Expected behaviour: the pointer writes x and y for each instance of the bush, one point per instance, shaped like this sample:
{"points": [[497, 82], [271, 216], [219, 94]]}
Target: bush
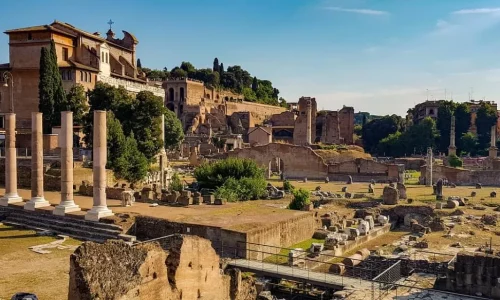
{"points": [[455, 161], [213, 175], [300, 199], [287, 186], [243, 189], [176, 183]]}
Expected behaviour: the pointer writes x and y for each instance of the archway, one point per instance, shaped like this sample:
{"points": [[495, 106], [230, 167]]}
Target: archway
{"points": [[171, 94], [171, 106], [276, 168]]}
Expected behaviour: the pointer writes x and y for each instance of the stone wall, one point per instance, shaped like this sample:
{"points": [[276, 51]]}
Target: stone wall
{"points": [[258, 111], [111, 192], [364, 170], [298, 161], [463, 176], [114, 270], [346, 124], [474, 274], [301, 123], [131, 86], [51, 180]]}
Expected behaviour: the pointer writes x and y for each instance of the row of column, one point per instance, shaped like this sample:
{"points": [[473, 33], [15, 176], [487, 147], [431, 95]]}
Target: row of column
{"points": [[67, 204]]}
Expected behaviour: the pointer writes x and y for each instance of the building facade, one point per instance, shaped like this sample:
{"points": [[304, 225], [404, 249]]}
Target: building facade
{"points": [[83, 58]]}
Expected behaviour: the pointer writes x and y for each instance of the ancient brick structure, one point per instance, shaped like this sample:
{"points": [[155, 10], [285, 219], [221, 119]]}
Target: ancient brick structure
{"points": [[304, 132]]}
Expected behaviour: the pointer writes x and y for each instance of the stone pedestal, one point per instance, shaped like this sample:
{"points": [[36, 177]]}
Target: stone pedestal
{"points": [[99, 208], [11, 195], [492, 152], [37, 199], [66, 144], [452, 150]]}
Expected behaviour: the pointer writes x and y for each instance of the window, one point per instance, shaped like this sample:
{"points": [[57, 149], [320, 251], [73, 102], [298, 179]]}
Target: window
{"points": [[30, 36], [2, 122], [65, 53], [85, 76], [81, 75], [102, 56], [107, 60], [90, 77]]}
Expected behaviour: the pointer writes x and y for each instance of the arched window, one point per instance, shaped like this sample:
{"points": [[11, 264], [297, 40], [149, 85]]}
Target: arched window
{"points": [[85, 76], [102, 56], [107, 58], [81, 76]]}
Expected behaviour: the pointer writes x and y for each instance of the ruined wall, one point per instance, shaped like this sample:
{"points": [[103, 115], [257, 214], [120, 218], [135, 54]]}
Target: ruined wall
{"points": [[346, 124], [115, 270], [51, 181], [364, 170], [281, 234], [259, 112], [286, 118], [330, 129], [301, 124], [463, 176], [473, 274], [310, 164]]}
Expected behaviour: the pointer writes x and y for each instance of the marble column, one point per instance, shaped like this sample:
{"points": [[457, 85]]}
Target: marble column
{"points": [[37, 199], [308, 122], [452, 149], [493, 147], [66, 145], [99, 157], [163, 154], [11, 195], [428, 175]]}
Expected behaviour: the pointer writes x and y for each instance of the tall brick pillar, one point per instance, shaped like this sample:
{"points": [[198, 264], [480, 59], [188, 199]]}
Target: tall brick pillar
{"points": [[37, 199], [66, 144], [308, 122], [99, 157], [11, 195]]}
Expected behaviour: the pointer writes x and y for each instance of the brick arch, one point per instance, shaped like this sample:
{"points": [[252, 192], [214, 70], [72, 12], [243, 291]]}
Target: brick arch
{"points": [[299, 161]]}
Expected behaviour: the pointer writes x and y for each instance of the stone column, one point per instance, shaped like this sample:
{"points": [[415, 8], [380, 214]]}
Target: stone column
{"points": [[452, 149], [66, 144], [11, 195], [493, 147], [163, 155], [99, 157], [37, 199], [308, 122], [428, 175]]}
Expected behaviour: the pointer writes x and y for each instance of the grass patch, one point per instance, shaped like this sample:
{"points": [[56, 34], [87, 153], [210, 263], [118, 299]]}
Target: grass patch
{"points": [[282, 257]]}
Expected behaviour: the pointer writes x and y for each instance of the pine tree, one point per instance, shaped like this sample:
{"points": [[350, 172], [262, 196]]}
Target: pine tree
{"points": [[139, 65], [45, 90], [216, 65], [255, 84], [60, 103]]}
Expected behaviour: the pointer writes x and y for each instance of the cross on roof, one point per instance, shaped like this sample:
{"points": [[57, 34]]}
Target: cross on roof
{"points": [[110, 22]]}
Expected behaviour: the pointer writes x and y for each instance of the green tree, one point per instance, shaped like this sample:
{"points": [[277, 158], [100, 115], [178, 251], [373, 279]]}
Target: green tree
{"points": [[392, 145], [131, 165], [45, 90], [214, 174], [358, 130], [176, 183], [486, 117], [462, 123], [77, 102], [188, 68], [455, 161], [174, 135], [139, 65], [421, 136], [57, 87], [116, 144], [221, 69], [178, 73], [216, 66], [468, 144], [255, 84], [445, 112], [283, 102], [300, 199], [377, 129]]}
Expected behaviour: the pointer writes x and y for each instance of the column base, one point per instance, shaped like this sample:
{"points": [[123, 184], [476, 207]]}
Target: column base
{"points": [[8, 199], [36, 202], [492, 153], [66, 207], [98, 212], [452, 150]]}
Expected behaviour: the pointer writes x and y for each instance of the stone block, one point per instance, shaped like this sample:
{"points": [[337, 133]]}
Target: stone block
{"points": [[218, 201], [390, 196], [208, 199], [185, 201]]}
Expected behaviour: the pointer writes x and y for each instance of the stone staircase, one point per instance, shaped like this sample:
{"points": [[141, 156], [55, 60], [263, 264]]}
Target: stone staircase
{"points": [[70, 226]]}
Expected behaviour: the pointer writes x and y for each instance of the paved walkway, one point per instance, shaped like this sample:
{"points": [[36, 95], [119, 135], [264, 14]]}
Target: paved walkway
{"points": [[297, 274]]}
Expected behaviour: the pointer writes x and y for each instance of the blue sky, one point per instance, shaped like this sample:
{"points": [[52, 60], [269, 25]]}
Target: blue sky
{"points": [[379, 56]]}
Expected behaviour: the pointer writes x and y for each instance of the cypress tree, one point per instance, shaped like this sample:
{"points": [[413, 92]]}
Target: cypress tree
{"points": [[221, 69], [216, 65], [255, 84], [57, 87], [139, 65], [45, 92]]}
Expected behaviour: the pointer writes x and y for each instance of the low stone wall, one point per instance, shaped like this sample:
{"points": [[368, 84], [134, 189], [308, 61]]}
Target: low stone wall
{"points": [[362, 177], [463, 176], [230, 242], [52, 182], [111, 192]]}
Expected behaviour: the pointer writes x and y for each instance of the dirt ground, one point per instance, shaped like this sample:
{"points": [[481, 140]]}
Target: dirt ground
{"points": [[22, 270]]}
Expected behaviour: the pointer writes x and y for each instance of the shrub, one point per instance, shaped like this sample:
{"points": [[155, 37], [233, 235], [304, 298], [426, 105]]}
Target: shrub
{"points": [[287, 186], [455, 161], [300, 199], [243, 189], [214, 174], [176, 183]]}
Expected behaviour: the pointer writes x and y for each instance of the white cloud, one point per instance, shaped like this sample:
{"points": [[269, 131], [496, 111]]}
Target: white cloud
{"points": [[358, 11], [474, 11]]}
